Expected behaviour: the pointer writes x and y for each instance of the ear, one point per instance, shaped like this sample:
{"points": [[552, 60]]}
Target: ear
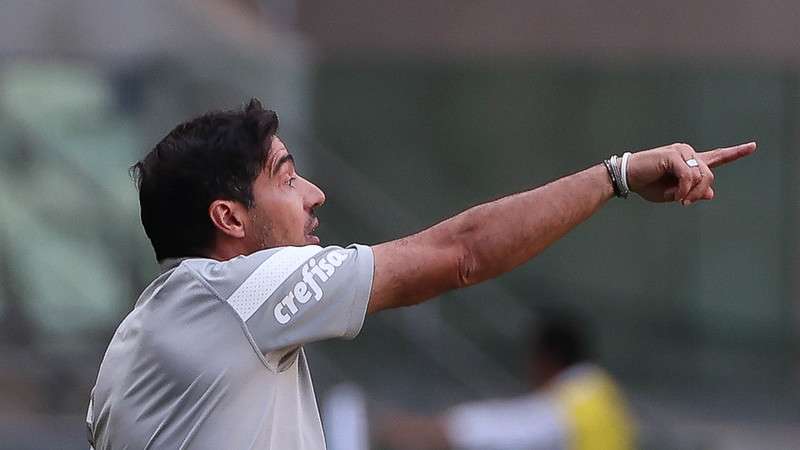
{"points": [[228, 217]]}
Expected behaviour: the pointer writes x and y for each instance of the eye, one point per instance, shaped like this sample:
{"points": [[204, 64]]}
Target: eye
{"points": [[290, 181]]}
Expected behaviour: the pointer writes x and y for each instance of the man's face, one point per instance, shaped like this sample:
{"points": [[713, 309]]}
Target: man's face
{"points": [[284, 202]]}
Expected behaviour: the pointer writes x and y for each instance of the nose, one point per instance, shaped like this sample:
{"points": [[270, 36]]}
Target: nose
{"points": [[316, 197]]}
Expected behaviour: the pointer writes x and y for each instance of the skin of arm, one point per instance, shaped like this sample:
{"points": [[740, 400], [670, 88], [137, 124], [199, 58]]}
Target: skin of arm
{"points": [[490, 239], [404, 431]]}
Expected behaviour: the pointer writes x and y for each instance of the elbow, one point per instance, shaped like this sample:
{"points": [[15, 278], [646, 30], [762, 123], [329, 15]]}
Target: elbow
{"points": [[467, 267]]}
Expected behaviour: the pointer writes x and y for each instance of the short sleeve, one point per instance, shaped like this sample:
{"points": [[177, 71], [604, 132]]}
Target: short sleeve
{"points": [[292, 296], [532, 422]]}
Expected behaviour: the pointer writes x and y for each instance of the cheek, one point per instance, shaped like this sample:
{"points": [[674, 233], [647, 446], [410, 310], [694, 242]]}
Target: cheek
{"points": [[260, 220], [287, 210]]}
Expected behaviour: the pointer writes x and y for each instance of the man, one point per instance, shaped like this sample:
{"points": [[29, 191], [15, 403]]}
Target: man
{"points": [[211, 355], [574, 405]]}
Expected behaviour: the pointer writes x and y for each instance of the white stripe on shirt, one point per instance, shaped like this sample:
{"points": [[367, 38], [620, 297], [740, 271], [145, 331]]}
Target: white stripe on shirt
{"points": [[263, 282]]}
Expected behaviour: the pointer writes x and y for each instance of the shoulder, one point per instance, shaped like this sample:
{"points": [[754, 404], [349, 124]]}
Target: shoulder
{"points": [[272, 263]]}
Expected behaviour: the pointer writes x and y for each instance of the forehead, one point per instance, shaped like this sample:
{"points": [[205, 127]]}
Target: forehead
{"points": [[276, 151]]}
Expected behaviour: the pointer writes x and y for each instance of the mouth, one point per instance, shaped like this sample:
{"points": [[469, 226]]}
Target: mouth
{"points": [[311, 238]]}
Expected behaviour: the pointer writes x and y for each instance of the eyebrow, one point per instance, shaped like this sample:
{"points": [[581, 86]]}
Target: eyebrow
{"points": [[284, 159]]}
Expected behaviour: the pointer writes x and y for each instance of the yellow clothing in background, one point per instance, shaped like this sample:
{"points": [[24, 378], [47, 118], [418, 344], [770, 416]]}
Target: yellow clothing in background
{"points": [[594, 410]]}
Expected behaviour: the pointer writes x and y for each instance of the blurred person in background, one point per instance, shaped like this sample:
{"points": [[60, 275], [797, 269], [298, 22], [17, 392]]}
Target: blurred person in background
{"points": [[211, 356], [574, 404]]}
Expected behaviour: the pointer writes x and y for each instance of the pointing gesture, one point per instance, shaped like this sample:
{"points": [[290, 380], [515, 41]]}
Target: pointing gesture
{"points": [[720, 156], [677, 173]]}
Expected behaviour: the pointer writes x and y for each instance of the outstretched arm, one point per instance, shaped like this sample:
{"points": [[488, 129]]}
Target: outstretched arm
{"points": [[493, 238]]}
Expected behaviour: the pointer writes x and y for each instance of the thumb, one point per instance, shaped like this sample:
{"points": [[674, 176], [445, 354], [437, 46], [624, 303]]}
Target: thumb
{"points": [[669, 194]]}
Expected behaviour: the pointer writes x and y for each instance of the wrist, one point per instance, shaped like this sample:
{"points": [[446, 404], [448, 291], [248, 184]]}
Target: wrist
{"points": [[617, 170], [605, 185]]}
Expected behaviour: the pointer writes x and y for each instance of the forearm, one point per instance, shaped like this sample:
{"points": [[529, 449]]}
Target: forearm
{"points": [[484, 241], [497, 236]]}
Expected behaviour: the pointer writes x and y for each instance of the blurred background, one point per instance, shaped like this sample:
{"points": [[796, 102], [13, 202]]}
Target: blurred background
{"points": [[406, 113]]}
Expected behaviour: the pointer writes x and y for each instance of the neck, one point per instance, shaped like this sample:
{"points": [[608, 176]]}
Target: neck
{"points": [[227, 249]]}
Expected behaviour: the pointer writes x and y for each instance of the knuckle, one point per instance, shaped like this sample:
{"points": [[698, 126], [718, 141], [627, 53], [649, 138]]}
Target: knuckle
{"points": [[682, 147]]}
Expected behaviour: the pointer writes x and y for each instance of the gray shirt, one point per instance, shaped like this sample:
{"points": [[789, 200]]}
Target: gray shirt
{"points": [[211, 356]]}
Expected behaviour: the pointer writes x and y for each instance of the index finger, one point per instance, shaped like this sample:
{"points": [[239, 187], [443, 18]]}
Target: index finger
{"points": [[720, 156]]}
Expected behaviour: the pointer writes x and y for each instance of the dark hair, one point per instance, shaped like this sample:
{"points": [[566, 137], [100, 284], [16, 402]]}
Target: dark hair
{"points": [[215, 156], [561, 340]]}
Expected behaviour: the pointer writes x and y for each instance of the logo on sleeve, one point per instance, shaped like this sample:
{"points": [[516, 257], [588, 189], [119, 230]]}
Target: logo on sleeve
{"points": [[315, 274]]}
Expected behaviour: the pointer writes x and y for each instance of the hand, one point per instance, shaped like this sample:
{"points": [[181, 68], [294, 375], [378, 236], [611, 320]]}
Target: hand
{"points": [[662, 175]]}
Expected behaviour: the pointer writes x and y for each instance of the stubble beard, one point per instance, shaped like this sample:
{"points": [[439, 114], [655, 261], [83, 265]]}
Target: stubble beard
{"points": [[263, 230]]}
